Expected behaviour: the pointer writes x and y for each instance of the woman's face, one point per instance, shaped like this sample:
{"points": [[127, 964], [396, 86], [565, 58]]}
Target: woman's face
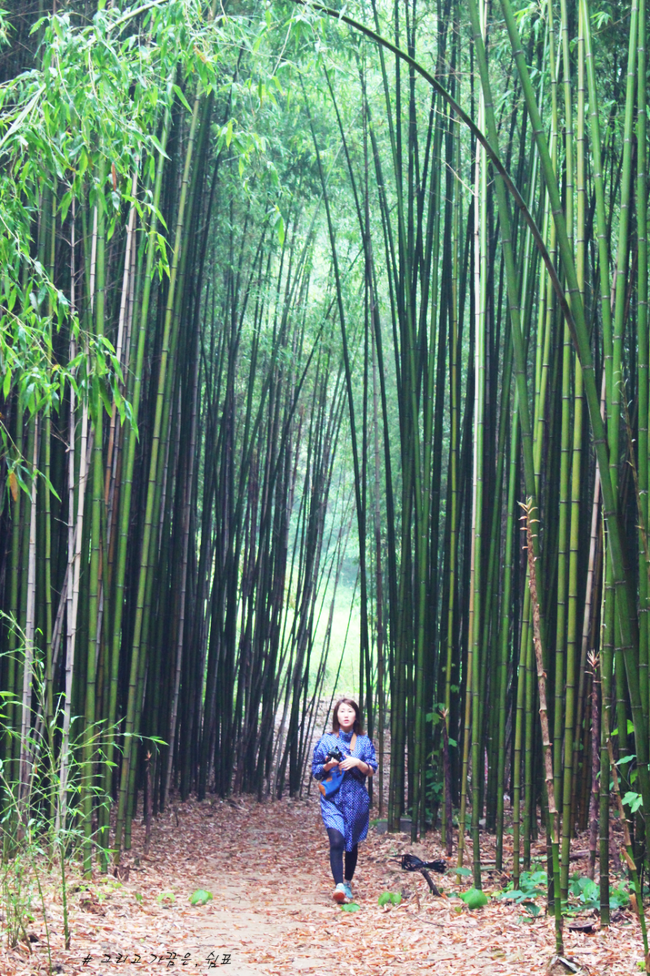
{"points": [[346, 716]]}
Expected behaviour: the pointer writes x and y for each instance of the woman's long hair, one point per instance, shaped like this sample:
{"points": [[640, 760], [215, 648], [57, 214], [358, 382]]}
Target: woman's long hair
{"points": [[358, 728]]}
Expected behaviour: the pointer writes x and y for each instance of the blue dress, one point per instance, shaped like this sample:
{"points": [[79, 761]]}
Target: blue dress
{"points": [[348, 810]]}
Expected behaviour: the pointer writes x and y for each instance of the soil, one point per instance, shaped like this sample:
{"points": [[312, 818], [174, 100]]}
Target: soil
{"points": [[272, 914]]}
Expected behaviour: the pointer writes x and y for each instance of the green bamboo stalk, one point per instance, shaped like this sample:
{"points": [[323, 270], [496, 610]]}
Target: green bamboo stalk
{"points": [[606, 667], [563, 559], [506, 614], [643, 364], [47, 515], [569, 777], [608, 614], [530, 699], [140, 324], [564, 500], [480, 303], [13, 669], [447, 828], [23, 564], [25, 744], [90, 730], [180, 240]]}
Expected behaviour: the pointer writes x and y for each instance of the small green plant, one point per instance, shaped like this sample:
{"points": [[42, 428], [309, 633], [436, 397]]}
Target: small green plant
{"points": [[586, 891], [166, 899], [350, 907], [389, 898], [588, 894], [618, 897], [531, 885], [200, 897], [17, 889], [434, 788], [112, 884], [138, 897], [475, 898]]}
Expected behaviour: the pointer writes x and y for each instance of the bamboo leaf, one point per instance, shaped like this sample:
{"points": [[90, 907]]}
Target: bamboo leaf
{"points": [[181, 97]]}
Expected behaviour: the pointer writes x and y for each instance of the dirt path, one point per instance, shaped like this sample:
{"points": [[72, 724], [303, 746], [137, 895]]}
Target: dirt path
{"points": [[272, 914]]}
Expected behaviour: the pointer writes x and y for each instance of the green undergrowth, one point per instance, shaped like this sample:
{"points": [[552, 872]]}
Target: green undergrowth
{"points": [[584, 894], [45, 841]]}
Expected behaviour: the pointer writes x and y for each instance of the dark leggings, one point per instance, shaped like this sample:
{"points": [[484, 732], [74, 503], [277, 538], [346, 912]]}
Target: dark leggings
{"points": [[337, 847]]}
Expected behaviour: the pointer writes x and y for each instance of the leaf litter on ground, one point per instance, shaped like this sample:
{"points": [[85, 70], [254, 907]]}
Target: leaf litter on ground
{"points": [[267, 868]]}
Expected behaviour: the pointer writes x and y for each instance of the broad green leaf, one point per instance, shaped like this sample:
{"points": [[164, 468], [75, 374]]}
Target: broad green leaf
{"points": [[531, 908], [474, 898], [200, 897], [633, 800], [389, 898]]}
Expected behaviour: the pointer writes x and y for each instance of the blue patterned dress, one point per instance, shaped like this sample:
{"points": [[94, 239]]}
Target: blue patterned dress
{"points": [[348, 810]]}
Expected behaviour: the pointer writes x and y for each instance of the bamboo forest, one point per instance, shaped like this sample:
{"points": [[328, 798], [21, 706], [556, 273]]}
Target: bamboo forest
{"points": [[325, 370]]}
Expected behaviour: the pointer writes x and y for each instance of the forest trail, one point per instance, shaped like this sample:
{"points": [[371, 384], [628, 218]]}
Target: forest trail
{"points": [[272, 914]]}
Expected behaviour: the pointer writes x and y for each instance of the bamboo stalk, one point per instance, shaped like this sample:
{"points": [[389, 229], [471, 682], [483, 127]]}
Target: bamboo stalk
{"points": [[132, 706], [643, 365], [99, 247], [546, 739], [25, 738]]}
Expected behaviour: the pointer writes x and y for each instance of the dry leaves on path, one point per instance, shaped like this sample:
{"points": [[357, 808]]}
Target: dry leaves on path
{"points": [[267, 868]]}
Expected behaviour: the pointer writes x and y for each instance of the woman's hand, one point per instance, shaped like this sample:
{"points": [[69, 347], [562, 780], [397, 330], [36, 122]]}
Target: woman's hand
{"points": [[330, 765], [351, 762]]}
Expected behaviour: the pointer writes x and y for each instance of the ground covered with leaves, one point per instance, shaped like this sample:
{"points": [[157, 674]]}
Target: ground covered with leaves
{"points": [[266, 869]]}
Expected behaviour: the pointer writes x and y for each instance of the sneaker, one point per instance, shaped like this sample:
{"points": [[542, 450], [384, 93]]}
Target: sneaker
{"points": [[340, 894], [348, 889]]}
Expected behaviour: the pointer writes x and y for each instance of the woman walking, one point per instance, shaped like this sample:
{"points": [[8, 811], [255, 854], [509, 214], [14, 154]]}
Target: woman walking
{"points": [[345, 811]]}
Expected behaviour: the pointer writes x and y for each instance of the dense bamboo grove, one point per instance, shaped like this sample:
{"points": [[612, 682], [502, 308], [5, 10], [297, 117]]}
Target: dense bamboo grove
{"points": [[282, 284]]}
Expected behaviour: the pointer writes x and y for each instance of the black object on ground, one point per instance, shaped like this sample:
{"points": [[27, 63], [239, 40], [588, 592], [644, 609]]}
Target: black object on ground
{"points": [[410, 862]]}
